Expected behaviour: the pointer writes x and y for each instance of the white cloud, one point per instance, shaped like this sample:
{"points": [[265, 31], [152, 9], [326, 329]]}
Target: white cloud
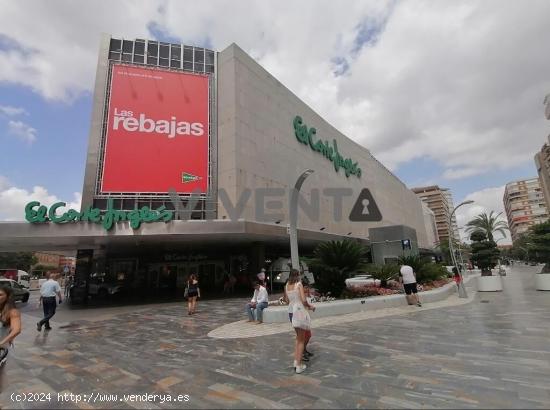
{"points": [[56, 56], [485, 201], [448, 80], [22, 131], [14, 199], [12, 111]]}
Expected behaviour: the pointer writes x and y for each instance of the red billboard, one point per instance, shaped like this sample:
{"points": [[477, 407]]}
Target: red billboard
{"points": [[157, 132]]}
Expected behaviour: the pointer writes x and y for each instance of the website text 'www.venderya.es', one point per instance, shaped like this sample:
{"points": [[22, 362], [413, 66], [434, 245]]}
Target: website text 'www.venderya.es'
{"points": [[127, 398]]}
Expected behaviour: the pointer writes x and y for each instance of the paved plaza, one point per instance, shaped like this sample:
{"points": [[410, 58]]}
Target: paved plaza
{"points": [[493, 352]]}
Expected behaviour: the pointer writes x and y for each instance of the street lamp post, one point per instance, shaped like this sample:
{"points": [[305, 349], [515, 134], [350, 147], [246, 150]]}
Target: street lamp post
{"points": [[461, 289], [293, 218]]}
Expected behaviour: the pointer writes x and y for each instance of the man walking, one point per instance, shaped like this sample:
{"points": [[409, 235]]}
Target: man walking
{"points": [[258, 303], [408, 278], [48, 291]]}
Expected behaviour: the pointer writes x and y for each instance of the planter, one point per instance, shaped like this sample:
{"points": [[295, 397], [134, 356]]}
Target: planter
{"points": [[489, 284], [542, 281]]}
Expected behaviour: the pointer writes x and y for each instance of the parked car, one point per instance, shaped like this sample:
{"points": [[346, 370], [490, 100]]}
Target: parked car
{"points": [[362, 280], [97, 287], [100, 288], [20, 276], [19, 292]]}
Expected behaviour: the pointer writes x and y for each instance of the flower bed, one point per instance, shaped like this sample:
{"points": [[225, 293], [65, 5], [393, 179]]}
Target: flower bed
{"points": [[371, 290]]}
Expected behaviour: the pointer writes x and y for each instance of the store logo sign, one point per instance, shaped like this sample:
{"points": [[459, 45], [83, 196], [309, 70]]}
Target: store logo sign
{"points": [[187, 177], [306, 136], [268, 203], [36, 213]]}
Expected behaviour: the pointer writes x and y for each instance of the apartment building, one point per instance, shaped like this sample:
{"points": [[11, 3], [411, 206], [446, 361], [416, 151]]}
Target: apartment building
{"points": [[525, 205], [440, 201]]}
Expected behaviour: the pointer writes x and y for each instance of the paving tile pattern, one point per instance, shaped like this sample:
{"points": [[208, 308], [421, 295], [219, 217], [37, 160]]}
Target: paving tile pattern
{"points": [[474, 355]]}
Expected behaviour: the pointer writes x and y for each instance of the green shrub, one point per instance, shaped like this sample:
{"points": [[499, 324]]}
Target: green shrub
{"points": [[334, 262], [329, 279], [430, 272], [384, 272], [414, 261]]}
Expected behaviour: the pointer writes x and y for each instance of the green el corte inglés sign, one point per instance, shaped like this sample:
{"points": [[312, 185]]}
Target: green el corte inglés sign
{"points": [[305, 136], [36, 213]]}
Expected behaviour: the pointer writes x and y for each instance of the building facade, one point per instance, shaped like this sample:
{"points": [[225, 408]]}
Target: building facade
{"points": [[431, 225], [525, 205], [191, 160], [542, 163], [440, 202]]}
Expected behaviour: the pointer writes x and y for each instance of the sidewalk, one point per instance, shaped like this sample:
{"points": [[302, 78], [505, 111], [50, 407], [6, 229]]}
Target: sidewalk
{"points": [[489, 352]]}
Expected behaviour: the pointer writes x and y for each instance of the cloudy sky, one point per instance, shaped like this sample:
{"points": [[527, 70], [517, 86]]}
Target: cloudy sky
{"points": [[446, 93]]}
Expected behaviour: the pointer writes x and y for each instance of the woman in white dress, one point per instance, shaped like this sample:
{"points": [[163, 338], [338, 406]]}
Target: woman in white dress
{"points": [[298, 315]]}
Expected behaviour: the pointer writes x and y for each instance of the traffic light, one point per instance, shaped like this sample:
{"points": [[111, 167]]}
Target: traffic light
{"points": [[406, 244]]}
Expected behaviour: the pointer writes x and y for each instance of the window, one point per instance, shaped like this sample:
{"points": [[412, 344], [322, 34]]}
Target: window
{"points": [[187, 54], [163, 62], [199, 55], [143, 203], [115, 45], [210, 57], [152, 60], [127, 57], [187, 65], [139, 47], [114, 56], [100, 203], [128, 204], [164, 51], [153, 49], [175, 56], [127, 46], [176, 52], [139, 59]]}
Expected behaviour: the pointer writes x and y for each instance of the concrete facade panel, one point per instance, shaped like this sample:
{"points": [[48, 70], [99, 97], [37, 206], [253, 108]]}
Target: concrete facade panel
{"points": [[269, 155]]}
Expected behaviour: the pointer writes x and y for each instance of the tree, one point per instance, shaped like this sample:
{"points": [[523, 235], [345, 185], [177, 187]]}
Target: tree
{"points": [[334, 262], [484, 252], [17, 260], [520, 247], [488, 224], [538, 244]]}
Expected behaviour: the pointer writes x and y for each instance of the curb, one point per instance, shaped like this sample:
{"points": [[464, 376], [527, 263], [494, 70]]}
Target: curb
{"points": [[279, 314]]}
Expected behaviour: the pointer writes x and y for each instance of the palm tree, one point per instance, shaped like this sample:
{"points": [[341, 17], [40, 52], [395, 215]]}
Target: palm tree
{"points": [[488, 224], [345, 256], [334, 262]]}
